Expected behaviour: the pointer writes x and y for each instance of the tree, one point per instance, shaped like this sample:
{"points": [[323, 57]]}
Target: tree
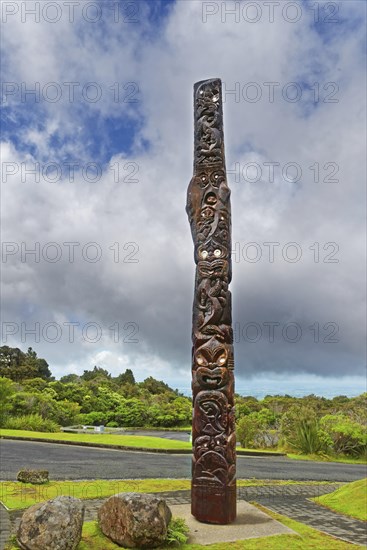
{"points": [[343, 435], [177, 412], [154, 386], [97, 372], [70, 391], [257, 429], [278, 403], [12, 364], [19, 366], [357, 409], [246, 405], [7, 390], [125, 378], [40, 365], [74, 378], [34, 384], [131, 412]]}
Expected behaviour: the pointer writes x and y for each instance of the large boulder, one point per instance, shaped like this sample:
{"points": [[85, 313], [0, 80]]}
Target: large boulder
{"points": [[135, 520], [53, 525]]}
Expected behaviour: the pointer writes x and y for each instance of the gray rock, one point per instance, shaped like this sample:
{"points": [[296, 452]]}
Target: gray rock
{"points": [[52, 525], [37, 477], [135, 520]]}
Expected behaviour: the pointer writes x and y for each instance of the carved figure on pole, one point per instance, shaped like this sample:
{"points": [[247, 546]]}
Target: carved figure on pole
{"points": [[213, 492]]}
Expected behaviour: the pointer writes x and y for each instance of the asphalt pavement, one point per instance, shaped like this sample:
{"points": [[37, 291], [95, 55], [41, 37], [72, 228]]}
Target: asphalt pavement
{"points": [[73, 462]]}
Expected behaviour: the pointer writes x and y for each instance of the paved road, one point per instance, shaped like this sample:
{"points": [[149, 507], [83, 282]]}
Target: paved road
{"points": [[72, 462]]}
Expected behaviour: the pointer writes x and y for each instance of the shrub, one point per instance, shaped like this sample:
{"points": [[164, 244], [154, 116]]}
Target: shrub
{"points": [[66, 413], [343, 435], [33, 422], [7, 389], [112, 424], [177, 532], [300, 430], [257, 429], [96, 418], [132, 412], [247, 430], [175, 413]]}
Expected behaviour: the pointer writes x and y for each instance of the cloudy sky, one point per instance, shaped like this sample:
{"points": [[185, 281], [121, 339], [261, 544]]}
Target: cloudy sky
{"points": [[97, 153]]}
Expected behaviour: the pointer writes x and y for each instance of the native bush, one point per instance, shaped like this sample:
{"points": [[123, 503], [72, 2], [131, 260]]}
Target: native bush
{"points": [[7, 389], [132, 412], [33, 422], [65, 413], [96, 418], [177, 412], [257, 429], [299, 428], [341, 434], [112, 424]]}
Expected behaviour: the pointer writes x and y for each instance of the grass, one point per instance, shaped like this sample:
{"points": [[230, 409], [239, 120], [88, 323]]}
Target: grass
{"points": [[307, 539], [93, 539], [350, 499], [328, 458], [16, 495], [113, 429], [137, 441], [153, 443], [158, 429]]}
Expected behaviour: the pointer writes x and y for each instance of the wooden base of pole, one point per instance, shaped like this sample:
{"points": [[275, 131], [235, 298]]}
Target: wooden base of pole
{"points": [[214, 504]]}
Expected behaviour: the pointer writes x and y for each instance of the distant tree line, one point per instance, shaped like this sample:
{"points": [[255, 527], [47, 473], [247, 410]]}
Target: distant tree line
{"points": [[32, 399], [309, 425]]}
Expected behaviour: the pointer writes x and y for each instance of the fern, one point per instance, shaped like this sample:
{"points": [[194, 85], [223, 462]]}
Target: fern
{"points": [[177, 532]]}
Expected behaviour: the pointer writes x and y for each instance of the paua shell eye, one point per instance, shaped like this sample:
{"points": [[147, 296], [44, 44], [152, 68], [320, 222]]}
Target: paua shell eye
{"points": [[222, 360], [200, 360], [203, 181], [217, 178]]}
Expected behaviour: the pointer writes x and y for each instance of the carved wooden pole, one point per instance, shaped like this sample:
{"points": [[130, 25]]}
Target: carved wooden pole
{"points": [[213, 492]]}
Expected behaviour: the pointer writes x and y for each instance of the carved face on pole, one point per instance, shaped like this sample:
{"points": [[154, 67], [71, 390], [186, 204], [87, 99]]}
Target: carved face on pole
{"points": [[208, 207]]}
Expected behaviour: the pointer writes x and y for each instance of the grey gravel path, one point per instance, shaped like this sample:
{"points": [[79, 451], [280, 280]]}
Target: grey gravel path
{"points": [[310, 513], [5, 526]]}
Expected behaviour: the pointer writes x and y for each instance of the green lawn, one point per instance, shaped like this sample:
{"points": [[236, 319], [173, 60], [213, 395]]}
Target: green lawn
{"points": [[136, 441], [164, 429], [327, 458], [307, 539], [16, 495], [350, 499], [147, 442], [103, 439]]}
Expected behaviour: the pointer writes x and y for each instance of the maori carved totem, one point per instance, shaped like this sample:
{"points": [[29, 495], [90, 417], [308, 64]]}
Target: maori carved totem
{"points": [[213, 491]]}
